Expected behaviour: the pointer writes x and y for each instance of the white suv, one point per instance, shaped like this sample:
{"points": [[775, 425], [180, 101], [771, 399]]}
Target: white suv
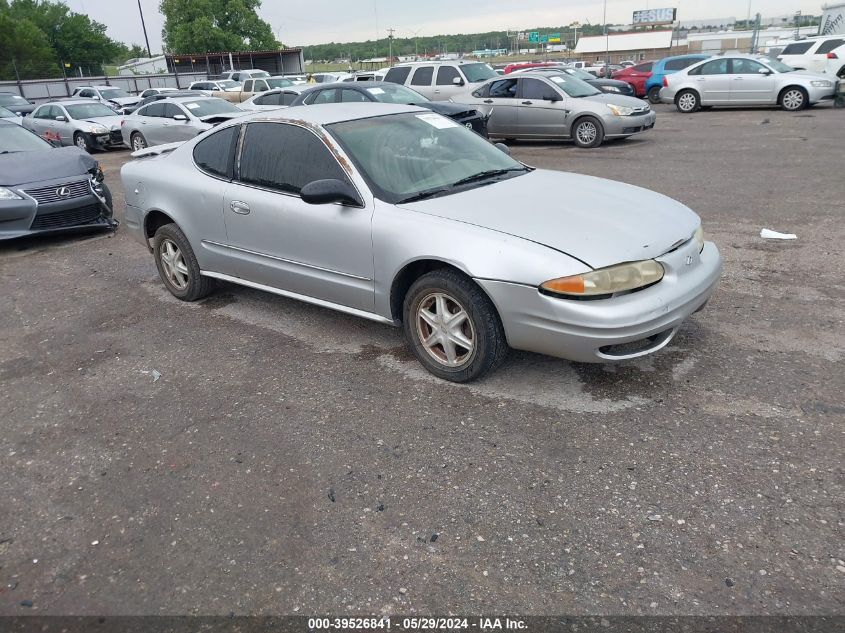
{"points": [[440, 81], [242, 75], [812, 53], [836, 62]]}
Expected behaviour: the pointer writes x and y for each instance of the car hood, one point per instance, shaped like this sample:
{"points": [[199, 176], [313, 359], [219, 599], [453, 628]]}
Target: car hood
{"points": [[216, 119], [600, 222], [608, 82], [446, 108], [620, 100], [111, 122], [22, 168], [124, 101], [807, 76]]}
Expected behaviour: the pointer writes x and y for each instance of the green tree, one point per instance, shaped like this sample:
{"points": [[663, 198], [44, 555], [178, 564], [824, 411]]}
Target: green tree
{"points": [[209, 26], [23, 46]]}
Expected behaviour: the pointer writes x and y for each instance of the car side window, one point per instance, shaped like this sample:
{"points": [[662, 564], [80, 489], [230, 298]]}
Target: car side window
{"points": [[422, 76], [741, 66], [324, 96], [798, 48], [260, 85], [352, 96], [447, 74], [644, 68], [288, 98], [828, 46], [87, 93], [398, 74], [154, 110], [481, 92], [678, 64], [285, 158], [171, 110], [715, 67], [215, 153], [44, 112], [503, 89], [537, 89]]}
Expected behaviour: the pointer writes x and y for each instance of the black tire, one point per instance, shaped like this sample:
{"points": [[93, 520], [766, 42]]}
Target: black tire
{"points": [[482, 326], [654, 94], [82, 142], [196, 286], [137, 142], [581, 132], [687, 101], [793, 98]]}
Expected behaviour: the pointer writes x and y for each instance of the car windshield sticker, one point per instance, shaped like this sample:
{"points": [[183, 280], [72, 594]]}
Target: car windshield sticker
{"points": [[437, 121], [192, 106], [375, 91]]}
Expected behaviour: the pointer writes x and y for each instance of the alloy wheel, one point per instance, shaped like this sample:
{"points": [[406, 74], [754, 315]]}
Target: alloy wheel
{"points": [[686, 102], [586, 132], [80, 142], [173, 264], [793, 100], [138, 143], [445, 330]]}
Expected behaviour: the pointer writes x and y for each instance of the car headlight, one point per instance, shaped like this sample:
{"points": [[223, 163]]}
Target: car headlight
{"points": [[620, 110], [605, 281], [8, 194], [822, 83], [698, 237], [610, 89], [97, 129]]}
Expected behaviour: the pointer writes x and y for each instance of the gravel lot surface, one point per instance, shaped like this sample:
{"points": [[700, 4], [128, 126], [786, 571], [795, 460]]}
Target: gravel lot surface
{"points": [[290, 459]]}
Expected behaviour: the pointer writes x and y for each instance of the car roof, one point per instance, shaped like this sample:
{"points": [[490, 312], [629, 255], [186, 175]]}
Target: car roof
{"points": [[362, 85], [441, 61], [328, 113], [67, 102]]}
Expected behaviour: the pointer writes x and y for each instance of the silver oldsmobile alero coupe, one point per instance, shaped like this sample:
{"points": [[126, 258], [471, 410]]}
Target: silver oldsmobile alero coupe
{"points": [[402, 216]]}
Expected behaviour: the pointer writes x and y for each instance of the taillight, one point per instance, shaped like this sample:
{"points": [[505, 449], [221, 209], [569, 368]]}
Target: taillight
{"points": [[832, 56], [665, 82]]}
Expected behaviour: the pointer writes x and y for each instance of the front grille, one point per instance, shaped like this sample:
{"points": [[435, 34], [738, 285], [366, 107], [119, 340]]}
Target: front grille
{"points": [[70, 217], [46, 195]]}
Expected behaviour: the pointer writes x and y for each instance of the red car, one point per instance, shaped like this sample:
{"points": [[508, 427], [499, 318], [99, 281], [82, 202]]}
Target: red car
{"points": [[636, 76], [523, 65]]}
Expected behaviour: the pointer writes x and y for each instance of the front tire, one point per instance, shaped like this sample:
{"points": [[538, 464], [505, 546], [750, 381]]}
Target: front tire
{"points": [[82, 142], [654, 94], [687, 101], [178, 266], [588, 132], [793, 99], [452, 327]]}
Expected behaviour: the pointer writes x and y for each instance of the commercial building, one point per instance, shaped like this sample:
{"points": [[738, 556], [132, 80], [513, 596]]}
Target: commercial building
{"points": [[286, 61], [630, 46]]}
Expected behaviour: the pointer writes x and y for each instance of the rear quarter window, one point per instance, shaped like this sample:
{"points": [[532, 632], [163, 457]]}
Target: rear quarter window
{"points": [[828, 46], [215, 153]]}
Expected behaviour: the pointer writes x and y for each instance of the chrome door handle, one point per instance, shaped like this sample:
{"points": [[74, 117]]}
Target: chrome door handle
{"points": [[737, 78], [239, 207], [488, 101], [527, 103]]}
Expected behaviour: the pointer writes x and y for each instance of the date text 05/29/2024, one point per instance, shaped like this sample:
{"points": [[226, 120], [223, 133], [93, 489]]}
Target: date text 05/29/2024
{"points": [[417, 624]]}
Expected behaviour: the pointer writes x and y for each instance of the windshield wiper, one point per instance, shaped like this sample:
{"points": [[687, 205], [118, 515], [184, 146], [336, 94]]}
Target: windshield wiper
{"points": [[422, 195], [484, 175]]}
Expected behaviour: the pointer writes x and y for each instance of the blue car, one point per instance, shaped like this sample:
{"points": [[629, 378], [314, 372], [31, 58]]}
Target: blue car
{"points": [[667, 66]]}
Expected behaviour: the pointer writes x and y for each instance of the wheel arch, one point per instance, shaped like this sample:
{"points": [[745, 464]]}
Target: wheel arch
{"points": [[791, 87], [154, 220], [413, 270]]}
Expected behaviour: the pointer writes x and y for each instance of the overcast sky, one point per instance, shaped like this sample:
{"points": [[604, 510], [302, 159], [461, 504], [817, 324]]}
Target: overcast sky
{"points": [[322, 21]]}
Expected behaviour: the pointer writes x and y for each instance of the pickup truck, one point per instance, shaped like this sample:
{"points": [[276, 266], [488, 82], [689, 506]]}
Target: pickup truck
{"points": [[252, 87]]}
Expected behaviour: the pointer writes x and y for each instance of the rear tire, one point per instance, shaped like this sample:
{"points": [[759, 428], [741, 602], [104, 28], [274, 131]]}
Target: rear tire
{"points": [[178, 266], [452, 327], [138, 142], [654, 94], [587, 132], [793, 99], [687, 101]]}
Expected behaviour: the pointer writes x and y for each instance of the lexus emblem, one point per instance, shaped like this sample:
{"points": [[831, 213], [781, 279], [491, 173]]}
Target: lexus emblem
{"points": [[469, 125], [63, 192]]}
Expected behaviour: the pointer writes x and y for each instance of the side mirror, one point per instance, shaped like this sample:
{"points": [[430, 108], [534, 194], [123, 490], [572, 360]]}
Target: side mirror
{"points": [[61, 117], [764, 71], [180, 117], [329, 191], [457, 81], [552, 97], [503, 148]]}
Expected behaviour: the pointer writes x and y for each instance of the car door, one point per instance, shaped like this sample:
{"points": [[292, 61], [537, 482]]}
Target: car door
{"points": [[422, 80], [501, 104], [151, 122], [541, 110], [174, 130], [41, 120], [712, 81], [64, 128], [751, 82], [444, 83], [320, 251]]}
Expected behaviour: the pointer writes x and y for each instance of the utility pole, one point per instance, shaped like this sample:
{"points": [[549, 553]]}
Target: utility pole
{"points": [[390, 33], [144, 26], [606, 38]]}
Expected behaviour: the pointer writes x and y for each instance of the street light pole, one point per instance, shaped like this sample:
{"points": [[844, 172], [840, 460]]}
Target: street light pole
{"points": [[606, 39], [144, 26]]}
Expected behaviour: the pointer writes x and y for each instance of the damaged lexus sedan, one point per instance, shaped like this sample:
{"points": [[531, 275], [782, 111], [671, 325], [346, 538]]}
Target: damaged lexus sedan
{"points": [[402, 216], [44, 189]]}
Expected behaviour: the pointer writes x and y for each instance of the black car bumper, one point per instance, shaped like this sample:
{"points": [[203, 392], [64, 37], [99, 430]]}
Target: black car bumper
{"points": [[106, 141]]}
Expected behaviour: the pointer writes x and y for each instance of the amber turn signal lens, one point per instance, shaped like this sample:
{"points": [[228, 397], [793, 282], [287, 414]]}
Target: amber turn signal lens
{"points": [[610, 280]]}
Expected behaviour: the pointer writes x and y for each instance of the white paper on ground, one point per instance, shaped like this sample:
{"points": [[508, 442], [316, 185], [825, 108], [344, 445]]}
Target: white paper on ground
{"points": [[769, 234]]}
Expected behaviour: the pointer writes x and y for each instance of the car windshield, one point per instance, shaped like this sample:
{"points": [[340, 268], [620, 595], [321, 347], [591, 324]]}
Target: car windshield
{"points": [[114, 93], [228, 83], [419, 155], [478, 72], [778, 66], [209, 107], [577, 72], [278, 82], [12, 100], [14, 138], [258, 74], [394, 93], [573, 86], [6, 113], [88, 110]]}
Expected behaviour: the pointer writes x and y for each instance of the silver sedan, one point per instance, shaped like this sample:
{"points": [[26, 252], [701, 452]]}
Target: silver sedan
{"points": [[444, 235], [542, 105], [85, 123], [175, 119], [733, 80]]}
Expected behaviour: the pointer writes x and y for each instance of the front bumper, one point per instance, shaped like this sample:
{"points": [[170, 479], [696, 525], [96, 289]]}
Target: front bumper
{"points": [[587, 331], [821, 94], [615, 126], [106, 141]]}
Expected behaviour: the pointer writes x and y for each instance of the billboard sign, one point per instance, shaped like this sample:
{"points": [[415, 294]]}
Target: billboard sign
{"points": [[554, 38], [652, 17]]}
